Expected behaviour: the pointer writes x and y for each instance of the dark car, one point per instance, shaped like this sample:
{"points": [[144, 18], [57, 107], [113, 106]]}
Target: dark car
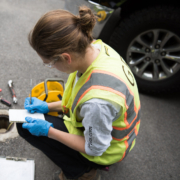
{"points": [[145, 33]]}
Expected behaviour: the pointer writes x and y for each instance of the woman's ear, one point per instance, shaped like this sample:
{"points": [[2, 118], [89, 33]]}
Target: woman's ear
{"points": [[67, 57]]}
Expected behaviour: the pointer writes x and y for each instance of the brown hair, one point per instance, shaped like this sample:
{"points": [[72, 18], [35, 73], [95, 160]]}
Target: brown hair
{"points": [[60, 31]]}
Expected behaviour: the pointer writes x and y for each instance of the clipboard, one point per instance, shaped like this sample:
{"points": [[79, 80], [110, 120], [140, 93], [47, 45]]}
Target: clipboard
{"points": [[17, 168]]}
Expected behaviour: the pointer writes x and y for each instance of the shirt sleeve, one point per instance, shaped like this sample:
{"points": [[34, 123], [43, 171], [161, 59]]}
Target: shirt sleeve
{"points": [[98, 116]]}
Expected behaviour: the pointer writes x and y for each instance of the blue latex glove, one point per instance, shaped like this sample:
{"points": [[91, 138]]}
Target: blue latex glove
{"points": [[37, 127], [36, 105]]}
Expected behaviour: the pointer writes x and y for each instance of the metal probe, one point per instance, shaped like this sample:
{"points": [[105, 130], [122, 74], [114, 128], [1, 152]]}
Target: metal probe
{"points": [[30, 92], [10, 84]]}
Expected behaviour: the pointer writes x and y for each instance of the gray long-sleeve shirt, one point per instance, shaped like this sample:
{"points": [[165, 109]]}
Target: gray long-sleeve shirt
{"points": [[98, 116]]}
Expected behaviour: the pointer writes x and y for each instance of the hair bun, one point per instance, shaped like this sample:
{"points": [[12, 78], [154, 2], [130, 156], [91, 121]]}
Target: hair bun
{"points": [[87, 19]]}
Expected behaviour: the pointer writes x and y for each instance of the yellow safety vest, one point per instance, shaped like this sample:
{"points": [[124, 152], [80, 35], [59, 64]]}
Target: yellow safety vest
{"points": [[108, 78]]}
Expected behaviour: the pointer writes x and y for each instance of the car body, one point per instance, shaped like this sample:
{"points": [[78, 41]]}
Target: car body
{"points": [[145, 33]]}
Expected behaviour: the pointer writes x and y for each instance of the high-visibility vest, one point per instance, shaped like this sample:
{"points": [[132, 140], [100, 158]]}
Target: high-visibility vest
{"points": [[108, 78]]}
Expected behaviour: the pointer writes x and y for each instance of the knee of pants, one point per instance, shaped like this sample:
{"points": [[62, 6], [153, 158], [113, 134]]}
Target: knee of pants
{"points": [[22, 132]]}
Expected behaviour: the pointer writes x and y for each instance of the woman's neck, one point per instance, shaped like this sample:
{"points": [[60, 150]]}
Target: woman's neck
{"points": [[90, 55]]}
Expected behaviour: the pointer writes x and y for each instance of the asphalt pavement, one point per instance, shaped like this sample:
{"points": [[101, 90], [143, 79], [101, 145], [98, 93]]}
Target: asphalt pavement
{"points": [[156, 155]]}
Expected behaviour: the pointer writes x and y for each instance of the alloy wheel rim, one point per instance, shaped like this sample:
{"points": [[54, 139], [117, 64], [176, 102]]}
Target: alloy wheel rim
{"points": [[154, 55]]}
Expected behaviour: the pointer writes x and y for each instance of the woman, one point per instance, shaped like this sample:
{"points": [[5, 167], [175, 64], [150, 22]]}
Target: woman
{"points": [[100, 104]]}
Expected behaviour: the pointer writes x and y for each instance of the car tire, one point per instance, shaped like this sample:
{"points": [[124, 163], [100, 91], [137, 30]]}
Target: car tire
{"points": [[151, 20]]}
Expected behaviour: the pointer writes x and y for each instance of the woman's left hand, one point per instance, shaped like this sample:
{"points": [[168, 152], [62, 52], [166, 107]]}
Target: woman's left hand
{"points": [[37, 127]]}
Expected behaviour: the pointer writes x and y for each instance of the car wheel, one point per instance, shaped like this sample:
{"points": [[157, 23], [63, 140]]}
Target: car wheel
{"points": [[149, 41]]}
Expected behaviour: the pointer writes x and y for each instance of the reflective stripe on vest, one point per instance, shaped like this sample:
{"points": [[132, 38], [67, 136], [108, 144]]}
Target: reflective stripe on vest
{"points": [[105, 80], [118, 134], [129, 143]]}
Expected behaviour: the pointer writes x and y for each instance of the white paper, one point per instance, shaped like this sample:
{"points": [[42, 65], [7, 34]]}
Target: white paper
{"points": [[18, 115], [16, 170]]}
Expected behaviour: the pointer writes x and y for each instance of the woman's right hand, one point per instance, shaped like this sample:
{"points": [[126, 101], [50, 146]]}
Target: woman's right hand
{"points": [[36, 105]]}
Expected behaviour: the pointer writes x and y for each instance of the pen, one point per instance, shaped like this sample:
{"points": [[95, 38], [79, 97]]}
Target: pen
{"points": [[30, 91]]}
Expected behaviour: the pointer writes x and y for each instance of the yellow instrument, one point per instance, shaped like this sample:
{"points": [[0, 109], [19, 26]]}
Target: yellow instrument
{"points": [[101, 15], [50, 91]]}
